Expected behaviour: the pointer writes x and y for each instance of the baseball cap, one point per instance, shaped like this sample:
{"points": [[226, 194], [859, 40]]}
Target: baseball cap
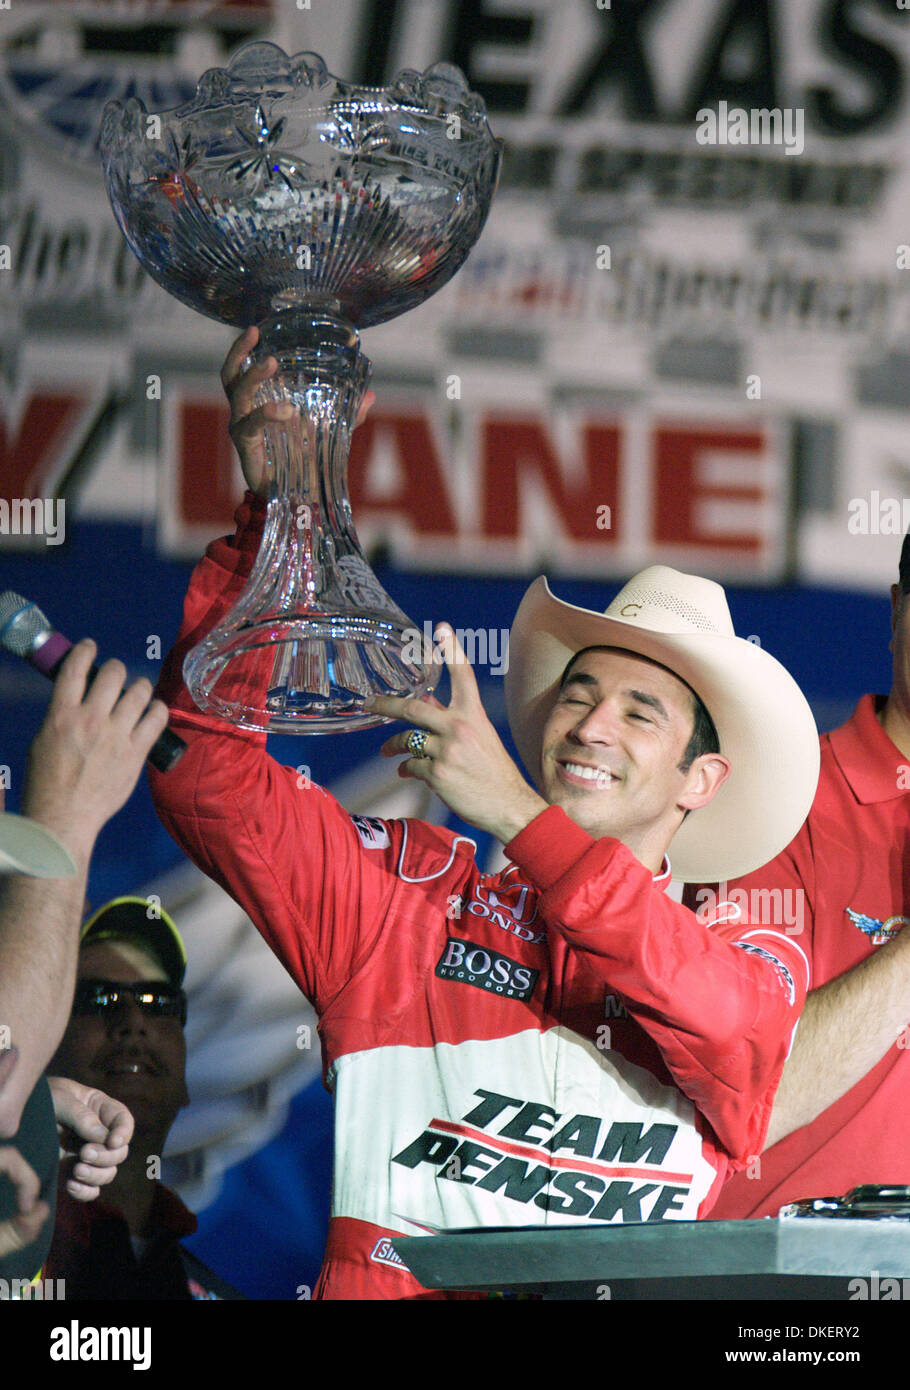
{"points": [[129, 919], [29, 848]]}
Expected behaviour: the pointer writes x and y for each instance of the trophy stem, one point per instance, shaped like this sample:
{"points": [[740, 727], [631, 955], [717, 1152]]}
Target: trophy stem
{"points": [[314, 635], [323, 373]]}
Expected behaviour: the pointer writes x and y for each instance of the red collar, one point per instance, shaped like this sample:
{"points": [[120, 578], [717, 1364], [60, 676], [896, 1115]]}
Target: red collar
{"points": [[866, 756], [662, 879]]}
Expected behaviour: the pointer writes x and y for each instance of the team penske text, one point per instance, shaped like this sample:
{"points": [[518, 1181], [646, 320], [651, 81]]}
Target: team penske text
{"points": [[608, 1178]]}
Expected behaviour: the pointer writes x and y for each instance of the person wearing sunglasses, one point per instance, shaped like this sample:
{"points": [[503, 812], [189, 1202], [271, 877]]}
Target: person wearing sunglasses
{"points": [[125, 1036]]}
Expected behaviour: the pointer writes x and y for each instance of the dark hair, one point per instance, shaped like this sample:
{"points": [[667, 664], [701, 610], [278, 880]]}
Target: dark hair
{"points": [[904, 569], [704, 735]]}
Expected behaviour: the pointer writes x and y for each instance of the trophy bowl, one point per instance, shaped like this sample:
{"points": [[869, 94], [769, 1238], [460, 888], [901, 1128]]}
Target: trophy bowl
{"points": [[282, 196]]}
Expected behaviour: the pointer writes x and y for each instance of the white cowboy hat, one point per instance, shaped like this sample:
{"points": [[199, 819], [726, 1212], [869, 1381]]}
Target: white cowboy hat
{"points": [[28, 848], [764, 724]]}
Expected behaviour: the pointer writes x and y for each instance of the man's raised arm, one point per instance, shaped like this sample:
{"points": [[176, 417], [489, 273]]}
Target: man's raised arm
{"points": [[83, 764]]}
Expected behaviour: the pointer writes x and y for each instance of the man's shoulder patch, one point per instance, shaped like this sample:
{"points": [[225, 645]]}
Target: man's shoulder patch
{"points": [[783, 974], [373, 833]]}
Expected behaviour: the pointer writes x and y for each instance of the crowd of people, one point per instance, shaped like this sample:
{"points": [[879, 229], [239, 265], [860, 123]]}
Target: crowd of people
{"points": [[557, 1043]]}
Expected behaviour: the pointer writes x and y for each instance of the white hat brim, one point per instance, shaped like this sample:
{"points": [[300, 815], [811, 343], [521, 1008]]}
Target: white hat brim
{"points": [[763, 721], [28, 848]]}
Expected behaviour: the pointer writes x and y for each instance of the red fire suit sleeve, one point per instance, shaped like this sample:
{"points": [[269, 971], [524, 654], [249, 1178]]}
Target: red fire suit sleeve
{"points": [[721, 1002], [254, 826]]}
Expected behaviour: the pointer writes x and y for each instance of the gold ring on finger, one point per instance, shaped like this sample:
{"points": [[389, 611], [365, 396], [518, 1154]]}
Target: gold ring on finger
{"points": [[416, 743]]}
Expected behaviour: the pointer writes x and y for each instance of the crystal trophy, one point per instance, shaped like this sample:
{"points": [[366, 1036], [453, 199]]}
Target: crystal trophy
{"points": [[282, 196]]}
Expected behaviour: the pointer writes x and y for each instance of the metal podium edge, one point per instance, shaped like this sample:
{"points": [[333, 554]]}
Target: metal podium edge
{"points": [[498, 1258]]}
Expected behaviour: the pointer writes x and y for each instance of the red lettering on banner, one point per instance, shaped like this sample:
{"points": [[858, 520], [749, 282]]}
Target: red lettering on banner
{"points": [[28, 458], [514, 448], [422, 496], [207, 493], [679, 487], [699, 477]]}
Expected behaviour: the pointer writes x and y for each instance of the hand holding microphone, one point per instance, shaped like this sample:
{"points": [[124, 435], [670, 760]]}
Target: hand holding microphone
{"points": [[86, 757], [26, 632]]}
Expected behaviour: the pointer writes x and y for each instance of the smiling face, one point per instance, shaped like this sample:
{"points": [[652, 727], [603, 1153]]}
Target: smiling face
{"points": [[137, 1059], [612, 751]]}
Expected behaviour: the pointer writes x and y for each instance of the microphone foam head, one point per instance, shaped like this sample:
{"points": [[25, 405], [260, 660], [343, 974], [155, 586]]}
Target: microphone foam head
{"points": [[20, 623]]}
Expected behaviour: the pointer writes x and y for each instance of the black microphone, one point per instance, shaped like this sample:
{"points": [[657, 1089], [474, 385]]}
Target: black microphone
{"points": [[26, 632]]}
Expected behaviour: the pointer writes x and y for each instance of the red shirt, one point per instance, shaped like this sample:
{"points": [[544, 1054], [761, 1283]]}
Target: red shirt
{"points": [[851, 858]]}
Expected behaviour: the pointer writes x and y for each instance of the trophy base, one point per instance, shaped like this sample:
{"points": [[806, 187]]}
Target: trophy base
{"points": [[316, 672]]}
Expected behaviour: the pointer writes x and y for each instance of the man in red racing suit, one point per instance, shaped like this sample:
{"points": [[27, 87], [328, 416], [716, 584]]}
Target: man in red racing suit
{"points": [[559, 1043]]}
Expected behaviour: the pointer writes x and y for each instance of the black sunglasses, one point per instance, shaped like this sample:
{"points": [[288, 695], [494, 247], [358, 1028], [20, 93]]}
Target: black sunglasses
{"points": [[156, 999]]}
